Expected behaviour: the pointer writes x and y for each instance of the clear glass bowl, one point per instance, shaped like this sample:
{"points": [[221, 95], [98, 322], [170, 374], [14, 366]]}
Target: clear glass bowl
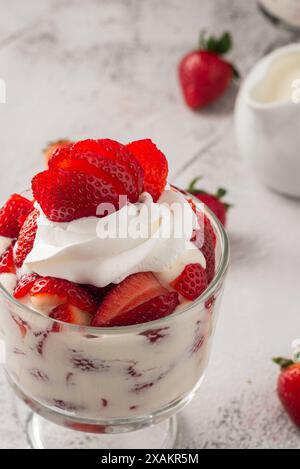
{"points": [[109, 381]]}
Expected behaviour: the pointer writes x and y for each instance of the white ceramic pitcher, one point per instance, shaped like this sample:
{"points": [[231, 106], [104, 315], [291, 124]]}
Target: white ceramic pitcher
{"points": [[267, 120]]}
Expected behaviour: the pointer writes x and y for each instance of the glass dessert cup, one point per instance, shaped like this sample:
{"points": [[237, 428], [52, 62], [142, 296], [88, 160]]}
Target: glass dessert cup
{"points": [[92, 387]]}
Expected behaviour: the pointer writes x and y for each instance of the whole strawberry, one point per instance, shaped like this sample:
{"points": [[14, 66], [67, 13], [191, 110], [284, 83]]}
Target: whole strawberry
{"points": [[203, 74], [288, 388], [213, 201]]}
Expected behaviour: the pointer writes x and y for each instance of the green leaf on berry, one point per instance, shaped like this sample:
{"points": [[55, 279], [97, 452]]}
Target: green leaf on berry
{"points": [[221, 193], [283, 362], [192, 187], [219, 46]]}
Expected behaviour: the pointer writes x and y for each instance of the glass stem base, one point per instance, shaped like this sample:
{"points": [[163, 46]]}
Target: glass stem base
{"points": [[43, 434]]}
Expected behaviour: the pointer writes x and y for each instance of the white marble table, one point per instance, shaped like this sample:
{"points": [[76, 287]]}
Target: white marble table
{"points": [[108, 68]]}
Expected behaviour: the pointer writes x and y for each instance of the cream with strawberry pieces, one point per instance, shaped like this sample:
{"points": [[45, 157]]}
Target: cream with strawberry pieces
{"points": [[65, 237], [71, 266]]}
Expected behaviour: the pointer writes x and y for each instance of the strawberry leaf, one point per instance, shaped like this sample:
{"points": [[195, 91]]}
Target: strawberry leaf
{"points": [[221, 193], [219, 46], [283, 362], [192, 187]]}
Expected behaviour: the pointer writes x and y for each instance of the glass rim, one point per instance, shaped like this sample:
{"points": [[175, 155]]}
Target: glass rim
{"points": [[158, 323]]}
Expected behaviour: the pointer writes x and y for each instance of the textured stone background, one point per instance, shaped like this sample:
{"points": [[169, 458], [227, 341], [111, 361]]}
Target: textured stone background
{"points": [[108, 68]]}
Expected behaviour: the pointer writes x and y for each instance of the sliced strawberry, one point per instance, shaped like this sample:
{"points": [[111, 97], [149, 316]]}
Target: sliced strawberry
{"points": [[154, 164], [49, 292], [156, 308], [192, 282], [209, 231], [206, 242], [67, 195], [26, 238], [52, 147], [96, 156], [129, 294], [15, 207], [24, 285], [208, 249], [7, 264], [71, 314]]}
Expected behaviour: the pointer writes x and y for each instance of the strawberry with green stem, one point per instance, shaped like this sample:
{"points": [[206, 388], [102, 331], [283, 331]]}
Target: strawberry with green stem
{"points": [[204, 75], [288, 388], [214, 201]]}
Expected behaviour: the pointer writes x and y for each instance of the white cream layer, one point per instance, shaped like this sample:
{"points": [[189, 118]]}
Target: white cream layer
{"points": [[140, 237]]}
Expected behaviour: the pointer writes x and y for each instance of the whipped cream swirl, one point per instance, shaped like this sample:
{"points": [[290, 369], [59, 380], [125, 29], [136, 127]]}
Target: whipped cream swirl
{"points": [[140, 237]]}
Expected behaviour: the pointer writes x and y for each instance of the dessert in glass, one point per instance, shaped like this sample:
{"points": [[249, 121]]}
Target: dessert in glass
{"points": [[110, 282]]}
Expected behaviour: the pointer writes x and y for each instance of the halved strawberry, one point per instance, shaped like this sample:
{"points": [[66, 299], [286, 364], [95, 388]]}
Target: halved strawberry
{"points": [[49, 292], [15, 207], [70, 314], [24, 285], [154, 164], [156, 308], [192, 282], [96, 156], [67, 195], [26, 238], [134, 291], [7, 264]]}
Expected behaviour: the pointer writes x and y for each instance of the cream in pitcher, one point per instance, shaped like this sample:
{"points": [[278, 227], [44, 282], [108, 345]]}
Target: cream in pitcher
{"points": [[267, 110]]}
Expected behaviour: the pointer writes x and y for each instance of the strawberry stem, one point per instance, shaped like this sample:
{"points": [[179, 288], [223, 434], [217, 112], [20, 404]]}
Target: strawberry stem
{"points": [[283, 362], [221, 193], [219, 46], [192, 187]]}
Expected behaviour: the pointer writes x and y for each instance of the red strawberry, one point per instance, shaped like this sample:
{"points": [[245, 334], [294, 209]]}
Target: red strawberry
{"points": [[26, 238], [49, 292], [203, 74], [67, 195], [7, 264], [52, 147], [128, 296], [213, 202], [192, 282], [208, 250], [206, 242], [156, 308], [24, 285], [288, 388], [71, 314], [96, 156], [15, 207], [154, 164]]}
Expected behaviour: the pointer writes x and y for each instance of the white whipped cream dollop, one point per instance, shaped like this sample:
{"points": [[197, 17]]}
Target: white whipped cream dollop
{"points": [[4, 244], [140, 237], [8, 281]]}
